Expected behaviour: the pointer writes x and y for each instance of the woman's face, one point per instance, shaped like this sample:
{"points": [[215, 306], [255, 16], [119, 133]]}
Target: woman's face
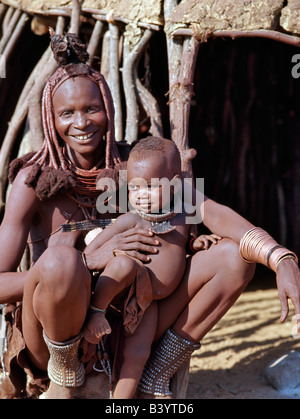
{"points": [[79, 116]]}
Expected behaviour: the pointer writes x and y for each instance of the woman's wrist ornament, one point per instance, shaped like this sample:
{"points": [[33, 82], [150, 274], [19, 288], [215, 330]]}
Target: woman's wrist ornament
{"points": [[257, 246]]}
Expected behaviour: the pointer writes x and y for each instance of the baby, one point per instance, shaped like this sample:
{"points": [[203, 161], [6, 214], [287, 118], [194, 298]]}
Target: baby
{"points": [[151, 162]]}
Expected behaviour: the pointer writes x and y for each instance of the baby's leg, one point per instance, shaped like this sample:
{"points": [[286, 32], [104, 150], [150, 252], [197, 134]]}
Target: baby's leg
{"points": [[119, 273], [136, 352]]}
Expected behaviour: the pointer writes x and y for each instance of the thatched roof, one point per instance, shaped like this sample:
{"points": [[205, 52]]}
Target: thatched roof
{"points": [[241, 15]]}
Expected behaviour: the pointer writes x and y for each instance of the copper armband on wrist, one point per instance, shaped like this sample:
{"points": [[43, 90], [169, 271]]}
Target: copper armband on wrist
{"points": [[257, 246]]}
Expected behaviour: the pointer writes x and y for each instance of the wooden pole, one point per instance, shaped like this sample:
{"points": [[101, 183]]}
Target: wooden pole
{"points": [[182, 96], [105, 64], [94, 40], [10, 29], [151, 108], [8, 15], [234, 34], [15, 35], [129, 84], [75, 17], [3, 10], [114, 79], [34, 100], [182, 56]]}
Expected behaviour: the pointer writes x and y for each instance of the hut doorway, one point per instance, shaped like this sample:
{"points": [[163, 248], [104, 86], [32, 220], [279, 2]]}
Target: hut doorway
{"points": [[245, 127]]}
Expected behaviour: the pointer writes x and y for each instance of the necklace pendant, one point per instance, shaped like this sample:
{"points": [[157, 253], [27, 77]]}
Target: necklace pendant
{"points": [[161, 227]]}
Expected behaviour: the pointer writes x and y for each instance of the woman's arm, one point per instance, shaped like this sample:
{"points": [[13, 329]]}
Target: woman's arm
{"points": [[227, 223], [224, 221], [22, 205]]}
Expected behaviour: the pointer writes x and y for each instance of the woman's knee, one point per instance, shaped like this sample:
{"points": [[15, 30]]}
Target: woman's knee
{"points": [[231, 255], [60, 268], [223, 260], [232, 263]]}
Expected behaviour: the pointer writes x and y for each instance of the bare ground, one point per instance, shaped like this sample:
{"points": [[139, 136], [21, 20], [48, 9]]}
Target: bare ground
{"points": [[233, 356]]}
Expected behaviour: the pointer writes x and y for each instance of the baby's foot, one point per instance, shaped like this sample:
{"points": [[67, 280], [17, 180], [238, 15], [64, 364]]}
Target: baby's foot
{"points": [[97, 326], [102, 325]]}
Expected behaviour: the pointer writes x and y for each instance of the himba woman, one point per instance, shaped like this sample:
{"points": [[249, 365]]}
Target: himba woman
{"points": [[57, 185], [52, 187]]}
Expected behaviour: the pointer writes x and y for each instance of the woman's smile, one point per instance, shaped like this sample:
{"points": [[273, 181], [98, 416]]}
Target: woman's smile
{"points": [[80, 118], [83, 138]]}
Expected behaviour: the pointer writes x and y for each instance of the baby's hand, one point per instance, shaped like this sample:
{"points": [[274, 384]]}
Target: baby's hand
{"points": [[96, 327], [204, 241]]}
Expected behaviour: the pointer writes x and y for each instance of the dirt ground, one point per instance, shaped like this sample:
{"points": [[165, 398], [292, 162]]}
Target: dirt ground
{"points": [[233, 356]]}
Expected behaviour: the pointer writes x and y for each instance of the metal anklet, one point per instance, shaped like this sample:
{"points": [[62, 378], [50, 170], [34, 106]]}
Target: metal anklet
{"points": [[64, 367]]}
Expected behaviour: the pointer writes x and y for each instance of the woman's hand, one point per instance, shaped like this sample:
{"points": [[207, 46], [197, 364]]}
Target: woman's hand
{"points": [[288, 284], [134, 242]]}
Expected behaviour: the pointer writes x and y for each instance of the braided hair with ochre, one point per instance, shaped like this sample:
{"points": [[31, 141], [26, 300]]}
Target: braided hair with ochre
{"points": [[52, 172]]}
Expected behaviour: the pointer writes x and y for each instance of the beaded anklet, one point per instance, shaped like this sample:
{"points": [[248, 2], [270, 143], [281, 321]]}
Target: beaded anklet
{"points": [[94, 309]]}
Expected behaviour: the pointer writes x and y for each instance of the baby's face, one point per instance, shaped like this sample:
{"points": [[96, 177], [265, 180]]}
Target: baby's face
{"points": [[149, 185]]}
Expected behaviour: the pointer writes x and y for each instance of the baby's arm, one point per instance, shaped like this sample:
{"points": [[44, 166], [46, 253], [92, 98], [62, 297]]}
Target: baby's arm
{"points": [[122, 223], [96, 324], [204, 241]]}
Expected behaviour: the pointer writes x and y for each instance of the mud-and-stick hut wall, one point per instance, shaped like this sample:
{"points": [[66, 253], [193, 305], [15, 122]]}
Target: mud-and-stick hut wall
{"points": [[228, 91]]}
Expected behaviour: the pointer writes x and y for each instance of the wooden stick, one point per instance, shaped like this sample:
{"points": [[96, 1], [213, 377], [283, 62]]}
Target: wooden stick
{"points": [[7, 19], [114, 79], [104, 65], [34, 100], [3, 10], [66, 12], [15, 35], [34, 103], [94, 40], [183, 92], [233, 34], [75, 17], [151, 107], [129, 84], [174, 51], [11, 26], [102, 15], [181, 61]]}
